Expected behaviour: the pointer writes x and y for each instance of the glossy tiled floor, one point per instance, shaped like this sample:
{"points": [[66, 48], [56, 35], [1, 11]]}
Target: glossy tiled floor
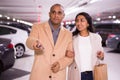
{"points": [[22, 67]]}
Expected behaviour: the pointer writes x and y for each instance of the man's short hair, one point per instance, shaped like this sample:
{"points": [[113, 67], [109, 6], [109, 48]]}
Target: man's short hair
{"points": [[56, 5]]}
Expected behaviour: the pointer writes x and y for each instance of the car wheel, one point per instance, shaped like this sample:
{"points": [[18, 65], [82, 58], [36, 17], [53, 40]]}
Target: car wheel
{"points": [[20, 50]]}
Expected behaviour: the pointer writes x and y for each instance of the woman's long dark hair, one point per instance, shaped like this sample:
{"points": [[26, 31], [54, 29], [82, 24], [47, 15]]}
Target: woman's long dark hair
{"points": [[89, 20]]}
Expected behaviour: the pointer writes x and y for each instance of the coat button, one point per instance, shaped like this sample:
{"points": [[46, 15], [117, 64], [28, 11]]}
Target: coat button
{"points": [[75, 67], [50, 76], [53, 55]]}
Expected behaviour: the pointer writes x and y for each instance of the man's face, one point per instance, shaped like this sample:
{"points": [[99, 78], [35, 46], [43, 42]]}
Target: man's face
{"points": [[56, 15]]}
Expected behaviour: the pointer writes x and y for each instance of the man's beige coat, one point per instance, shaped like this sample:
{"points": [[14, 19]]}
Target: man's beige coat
{"points": [[43, 60]]}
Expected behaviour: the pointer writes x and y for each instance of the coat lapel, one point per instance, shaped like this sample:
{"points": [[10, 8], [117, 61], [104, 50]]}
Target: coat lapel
{"points": [[76, 49], [93, 44], [49, 33], [92, 40], [50, 36], [60, 37]]}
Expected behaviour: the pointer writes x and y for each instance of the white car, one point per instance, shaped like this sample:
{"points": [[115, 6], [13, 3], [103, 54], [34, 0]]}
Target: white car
{"points": [[17, 36]]}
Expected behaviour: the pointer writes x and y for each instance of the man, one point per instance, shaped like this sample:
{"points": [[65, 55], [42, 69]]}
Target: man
{"points": [[51, 43]]}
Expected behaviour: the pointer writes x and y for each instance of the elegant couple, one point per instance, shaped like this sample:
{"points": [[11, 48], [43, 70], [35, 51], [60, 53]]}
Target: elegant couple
{"points": [[56, 48]]}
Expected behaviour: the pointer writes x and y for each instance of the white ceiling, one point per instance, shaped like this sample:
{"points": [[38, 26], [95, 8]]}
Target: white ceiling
{"points": [[34, 10]]}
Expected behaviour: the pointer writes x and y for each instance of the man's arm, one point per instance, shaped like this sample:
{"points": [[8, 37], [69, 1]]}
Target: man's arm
{"points": [[33, 37]]}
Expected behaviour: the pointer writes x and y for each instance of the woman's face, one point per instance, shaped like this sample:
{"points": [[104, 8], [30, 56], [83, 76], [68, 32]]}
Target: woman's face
{"points": [[81, 23]]}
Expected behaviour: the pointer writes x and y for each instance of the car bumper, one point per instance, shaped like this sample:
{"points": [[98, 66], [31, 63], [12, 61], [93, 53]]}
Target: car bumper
{"points": [[112, 43], [7, 59]]}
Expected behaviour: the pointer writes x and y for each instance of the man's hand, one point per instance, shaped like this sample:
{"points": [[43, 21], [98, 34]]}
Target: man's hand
{"points": [[55, 67], [37, 46], [69, 54]]}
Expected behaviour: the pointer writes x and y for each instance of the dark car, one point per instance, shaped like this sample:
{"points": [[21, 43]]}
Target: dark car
{"points": [[104, 29], [70, 27], [113, 41], [7, 57]]}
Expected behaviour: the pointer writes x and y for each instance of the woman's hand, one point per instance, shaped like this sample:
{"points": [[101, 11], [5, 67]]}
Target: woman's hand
{"points": [[69, 54], [100, 55]]}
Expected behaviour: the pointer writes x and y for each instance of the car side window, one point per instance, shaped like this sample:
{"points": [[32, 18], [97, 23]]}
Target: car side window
{"points": [[116, 28], [4, 31], [104, 26]]}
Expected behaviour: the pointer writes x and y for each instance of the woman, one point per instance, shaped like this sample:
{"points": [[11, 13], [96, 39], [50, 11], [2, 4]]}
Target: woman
{"points": [[87, 49]]}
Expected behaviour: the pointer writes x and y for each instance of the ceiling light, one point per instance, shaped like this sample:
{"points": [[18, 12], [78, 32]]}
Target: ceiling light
{"points": [[0, 15], [14, 19], [27, 23], [93, 1], [8, 17], [109, 16], [98, 19], [114, 17], [18, 20]]}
